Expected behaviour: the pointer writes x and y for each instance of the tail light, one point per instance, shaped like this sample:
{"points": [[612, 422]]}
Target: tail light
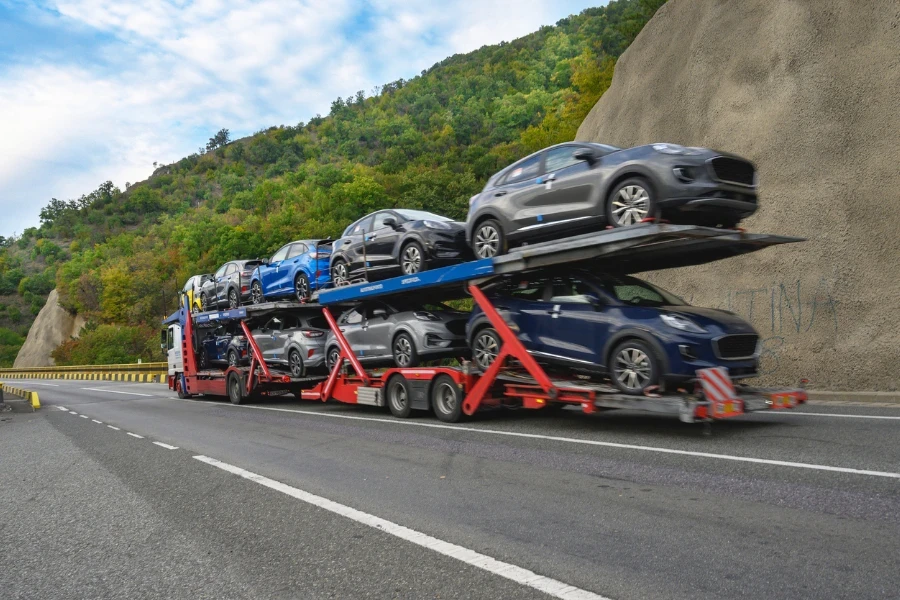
{"points": [[310, 353], [246, 274], [312, 333], [244, 288]]}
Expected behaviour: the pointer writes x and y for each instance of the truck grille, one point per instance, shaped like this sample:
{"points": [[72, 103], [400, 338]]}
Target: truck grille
{"points": [[734, 347], [732, 170]]}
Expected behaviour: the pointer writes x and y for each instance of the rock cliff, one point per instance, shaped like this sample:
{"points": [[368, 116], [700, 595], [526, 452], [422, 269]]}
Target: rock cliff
{"points": [[810, 91], [53, 326]]}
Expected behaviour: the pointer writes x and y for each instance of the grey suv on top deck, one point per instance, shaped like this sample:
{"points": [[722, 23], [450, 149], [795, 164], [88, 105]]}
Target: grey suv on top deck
{"points": [[575, 187]]}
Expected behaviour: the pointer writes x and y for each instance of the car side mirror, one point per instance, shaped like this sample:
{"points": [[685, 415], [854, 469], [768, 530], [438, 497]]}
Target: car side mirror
{"points": [[390, 222], [585, 154], [380, 312]]}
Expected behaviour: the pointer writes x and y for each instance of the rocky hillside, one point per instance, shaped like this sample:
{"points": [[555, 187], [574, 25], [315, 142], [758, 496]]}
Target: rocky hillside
{"points": [[809, 91]]}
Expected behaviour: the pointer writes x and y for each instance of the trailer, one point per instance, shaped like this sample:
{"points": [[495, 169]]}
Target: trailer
{"points": [[515, 379]]}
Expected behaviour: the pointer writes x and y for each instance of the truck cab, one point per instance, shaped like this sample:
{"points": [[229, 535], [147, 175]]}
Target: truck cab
{"points": [[171, 337]]}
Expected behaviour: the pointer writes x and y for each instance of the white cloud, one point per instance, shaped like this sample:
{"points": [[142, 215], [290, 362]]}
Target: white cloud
{"points": [[160, 72]]}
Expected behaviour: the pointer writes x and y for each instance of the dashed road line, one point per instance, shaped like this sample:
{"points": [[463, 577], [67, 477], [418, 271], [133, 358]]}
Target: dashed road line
{"points": [[96, 421], [117, 392], [166, 446], [62, 408], [549, 586], [84, 416], [140, 437], [568, 440], [116, 428]]}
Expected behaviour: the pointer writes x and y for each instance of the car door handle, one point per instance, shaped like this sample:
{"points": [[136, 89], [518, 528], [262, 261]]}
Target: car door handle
{"points": [[553, 311], [502, 193], [370, 238]]}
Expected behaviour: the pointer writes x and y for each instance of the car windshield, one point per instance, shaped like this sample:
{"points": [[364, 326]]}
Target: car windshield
{"points": [[631, 290], [606, 147], [420, 215]]}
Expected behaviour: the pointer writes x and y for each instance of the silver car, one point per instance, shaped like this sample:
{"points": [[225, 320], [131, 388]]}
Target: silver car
{"points": [[403, 335], [293, 341]]}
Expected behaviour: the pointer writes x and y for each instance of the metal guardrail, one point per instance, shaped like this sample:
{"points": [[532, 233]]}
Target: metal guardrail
{"points": [[140, 372]]}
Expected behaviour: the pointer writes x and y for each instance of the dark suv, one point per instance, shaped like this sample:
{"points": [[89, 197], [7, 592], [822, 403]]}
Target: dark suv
{"points": [[614, 325], [575, 187]]}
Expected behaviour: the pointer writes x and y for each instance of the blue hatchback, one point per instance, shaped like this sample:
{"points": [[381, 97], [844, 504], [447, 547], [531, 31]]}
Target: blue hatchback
{"points": [[295, 271], [636, 334]]}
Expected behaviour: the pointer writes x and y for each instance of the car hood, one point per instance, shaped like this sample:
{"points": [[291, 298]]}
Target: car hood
{"points": [[712, 316]]}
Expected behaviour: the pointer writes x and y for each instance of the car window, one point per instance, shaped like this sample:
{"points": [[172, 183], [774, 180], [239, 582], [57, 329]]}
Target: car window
{"points": [[221, 271], [353, 317], [288, 322], [296, 250], [231, 270], [526, 169], [631, 290], [528, 289], [189, 285], [571, 290], [420, 215], [362, 226], [281, 254], [274, 324], [379, 220], [317, 323], [560, 158]]}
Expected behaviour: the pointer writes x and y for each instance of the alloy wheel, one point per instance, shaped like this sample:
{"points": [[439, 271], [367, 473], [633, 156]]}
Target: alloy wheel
{"points": [[296, 365], [487, 241], [486, 349], [339, 273], [632, 368], [631, 205], [412, 259], [256, 292], [334, 355], [232, 359], [232, 299], [403, 351], [301, 287]]}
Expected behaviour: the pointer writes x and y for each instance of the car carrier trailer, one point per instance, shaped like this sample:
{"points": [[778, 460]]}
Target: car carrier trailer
{"points": [[514, 379]]}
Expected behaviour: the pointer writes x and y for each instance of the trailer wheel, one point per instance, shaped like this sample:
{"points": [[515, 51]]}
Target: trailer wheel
{"points": [[446, 399], [634, 367], [235, 389], [398, 396]]}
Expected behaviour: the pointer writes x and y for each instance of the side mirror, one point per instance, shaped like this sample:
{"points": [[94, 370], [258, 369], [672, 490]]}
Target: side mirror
{"points": [[390, 222], [586, 154], [380, 312]]}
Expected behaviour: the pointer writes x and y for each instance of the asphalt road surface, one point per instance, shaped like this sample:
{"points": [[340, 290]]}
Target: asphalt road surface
{"points": [[118, 490]]}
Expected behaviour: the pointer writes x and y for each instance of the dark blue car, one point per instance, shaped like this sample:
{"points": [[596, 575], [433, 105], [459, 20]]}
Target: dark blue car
{"points": [[221, 346], [618, 326], [294, 272]]}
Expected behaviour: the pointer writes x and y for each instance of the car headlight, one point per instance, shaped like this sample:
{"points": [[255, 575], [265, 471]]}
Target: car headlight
{"points": [[681, 323], [435, 225]]}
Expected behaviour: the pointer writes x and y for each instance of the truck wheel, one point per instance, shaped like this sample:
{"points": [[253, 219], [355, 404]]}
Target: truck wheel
{"points": [[446, 399], [235, 389], [295, 362], [179, 389], [398, 396], [404, 349], [233, 300], [634, 367]]}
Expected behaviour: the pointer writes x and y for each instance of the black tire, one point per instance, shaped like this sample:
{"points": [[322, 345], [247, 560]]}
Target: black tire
{"points": [[235, 389], [486, 344], [633, 367], [234, 299], [204, 359], [295, 363], [488, 239], [301, 287], [412, 259], [340, 274], [634, 199], [204, 305], [446, 399], [331, 357], [397, 396], [256, 293], [404, 350], [233, 358]]}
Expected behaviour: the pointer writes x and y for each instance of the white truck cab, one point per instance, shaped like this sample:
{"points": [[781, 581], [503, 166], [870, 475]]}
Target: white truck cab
{"points": [[173, 349]]}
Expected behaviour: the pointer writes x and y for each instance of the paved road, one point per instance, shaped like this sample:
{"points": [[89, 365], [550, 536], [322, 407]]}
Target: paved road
{"points": [[302, 500]]}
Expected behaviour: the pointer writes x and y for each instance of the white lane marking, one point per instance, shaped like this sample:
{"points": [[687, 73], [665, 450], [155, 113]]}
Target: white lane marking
{"points": [[116, 392], [808, 414], [62, 408], [47, 384], [549, 586], [116, 428], [556, 438], [96, 421], [83, 416], [73, 413], [140, 437], [166, 446]]}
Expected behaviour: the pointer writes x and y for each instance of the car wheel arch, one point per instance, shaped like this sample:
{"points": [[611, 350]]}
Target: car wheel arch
{"points": [[483, 216], [628, 172]]}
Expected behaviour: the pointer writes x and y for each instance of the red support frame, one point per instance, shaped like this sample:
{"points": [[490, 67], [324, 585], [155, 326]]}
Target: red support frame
{"points": [[512, 348], [346, 353], [256, 359]]}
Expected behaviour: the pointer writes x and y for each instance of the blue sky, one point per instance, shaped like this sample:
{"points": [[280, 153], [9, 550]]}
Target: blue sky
{"points": [[92, 90]]}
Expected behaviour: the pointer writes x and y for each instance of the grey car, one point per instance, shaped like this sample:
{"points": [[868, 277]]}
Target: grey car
{"points": [[579, 186], [296, 342], [402, 335]]}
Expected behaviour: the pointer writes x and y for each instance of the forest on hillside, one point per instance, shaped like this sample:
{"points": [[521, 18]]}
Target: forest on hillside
{"points": [[119, 257]]}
